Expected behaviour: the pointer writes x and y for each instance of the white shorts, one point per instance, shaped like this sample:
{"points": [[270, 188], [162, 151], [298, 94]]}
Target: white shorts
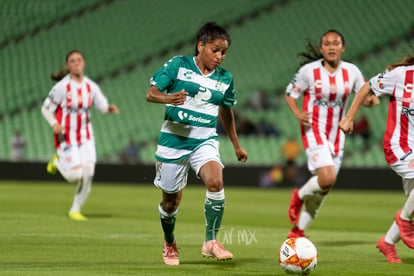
{"points": [[321, 156], [172, 177], [405, 167], [74, 155]]}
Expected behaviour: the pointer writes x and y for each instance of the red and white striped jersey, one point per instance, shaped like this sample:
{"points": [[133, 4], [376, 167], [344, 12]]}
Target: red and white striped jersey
{"points": [[325, 97], [399, 134], [71, 102]]}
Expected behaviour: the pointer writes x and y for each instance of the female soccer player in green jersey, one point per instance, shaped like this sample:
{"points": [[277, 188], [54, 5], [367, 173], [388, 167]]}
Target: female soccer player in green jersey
{"points": [[198, 92]]}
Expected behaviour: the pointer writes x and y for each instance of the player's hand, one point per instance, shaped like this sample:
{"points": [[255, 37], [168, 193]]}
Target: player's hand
{"points": [[241, 154], [57, 128], [112, 108], [177, 98], [371, 100], [304, 119], [346, 125]]}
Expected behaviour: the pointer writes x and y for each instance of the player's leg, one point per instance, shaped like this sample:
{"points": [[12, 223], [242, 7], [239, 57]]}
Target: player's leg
{"points": [[404, 217], [314, 191], [320, 163], [206, 163], [82, 192], [87, 156], [171, 178], [386, 244]]}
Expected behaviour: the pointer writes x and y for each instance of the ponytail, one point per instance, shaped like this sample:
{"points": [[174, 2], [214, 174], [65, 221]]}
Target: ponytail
{"points": [[59, 75]]}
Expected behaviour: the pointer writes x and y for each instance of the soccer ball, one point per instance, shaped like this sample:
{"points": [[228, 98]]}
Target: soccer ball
{"points": [[298, 256]]}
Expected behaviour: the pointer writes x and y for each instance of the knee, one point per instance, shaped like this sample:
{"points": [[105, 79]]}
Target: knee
{"points": [[327, 181], [214, 184], [170, 206], [74, 175]]}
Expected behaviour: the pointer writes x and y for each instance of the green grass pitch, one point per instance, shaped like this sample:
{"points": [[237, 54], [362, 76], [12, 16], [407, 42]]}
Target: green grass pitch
{"points": [[123, 235]]}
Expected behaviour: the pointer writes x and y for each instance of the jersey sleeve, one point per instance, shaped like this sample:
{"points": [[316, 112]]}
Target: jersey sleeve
{"points": [[359, 80], [229, 99], [384, 83], [54, 98], [165, 77], [298, 84], [99, 99]]}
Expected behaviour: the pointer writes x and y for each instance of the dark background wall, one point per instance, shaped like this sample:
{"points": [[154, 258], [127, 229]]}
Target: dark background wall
{"points": [[243, 176]]}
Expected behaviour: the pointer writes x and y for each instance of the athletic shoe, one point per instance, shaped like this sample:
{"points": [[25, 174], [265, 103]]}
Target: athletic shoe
{"points": [[389, 251], [77, 216], [295, 232], [51, 168], [214, 249], [406, 230], [294, 207], [170, 254]]}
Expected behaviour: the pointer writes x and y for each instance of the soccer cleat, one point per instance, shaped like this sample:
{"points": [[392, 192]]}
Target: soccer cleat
{"points": [[295, 232], [406, 230], [389, 251], [51, 168], [170, 254], [77, 216], [294, 207], [214, 249]]}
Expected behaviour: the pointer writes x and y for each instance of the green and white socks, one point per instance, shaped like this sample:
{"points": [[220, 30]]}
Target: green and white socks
{"points": [[213, 211], [168, 224]]}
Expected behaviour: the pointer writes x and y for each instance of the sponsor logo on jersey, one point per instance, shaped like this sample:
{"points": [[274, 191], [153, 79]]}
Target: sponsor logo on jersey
{"points": [[325, 103], [407, 111], [188, 74], [182, 115], [199, 119]]}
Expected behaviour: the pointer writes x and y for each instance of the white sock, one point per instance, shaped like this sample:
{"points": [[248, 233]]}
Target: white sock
{"points": [[164, 214], [407, 211], [215, 195], [84, 187], [310, 188], [305, 220], [393, 234], [310, 210]]}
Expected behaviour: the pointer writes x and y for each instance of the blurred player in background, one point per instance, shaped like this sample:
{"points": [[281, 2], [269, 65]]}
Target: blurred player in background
{"points": [[325, 81], [67, 110], [198, 92], [396, 82]]}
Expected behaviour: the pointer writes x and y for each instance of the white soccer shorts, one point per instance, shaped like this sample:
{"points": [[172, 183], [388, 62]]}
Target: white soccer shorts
{"points": [[172, 177]]}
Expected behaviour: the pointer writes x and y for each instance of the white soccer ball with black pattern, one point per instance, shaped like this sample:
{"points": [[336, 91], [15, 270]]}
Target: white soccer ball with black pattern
{"points": [[298, 256]]}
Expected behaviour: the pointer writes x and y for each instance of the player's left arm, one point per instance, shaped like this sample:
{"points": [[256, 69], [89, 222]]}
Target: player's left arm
{"points": [[227, 118], [101, 102]]}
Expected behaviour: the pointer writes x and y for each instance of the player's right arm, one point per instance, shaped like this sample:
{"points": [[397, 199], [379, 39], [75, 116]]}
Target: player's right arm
{"points": [[302, 117], [154, 95], [49, 107], [293, 92]]}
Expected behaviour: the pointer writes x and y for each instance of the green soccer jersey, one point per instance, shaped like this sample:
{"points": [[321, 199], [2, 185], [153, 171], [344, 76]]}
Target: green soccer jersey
{"points": [[187, 126]]}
